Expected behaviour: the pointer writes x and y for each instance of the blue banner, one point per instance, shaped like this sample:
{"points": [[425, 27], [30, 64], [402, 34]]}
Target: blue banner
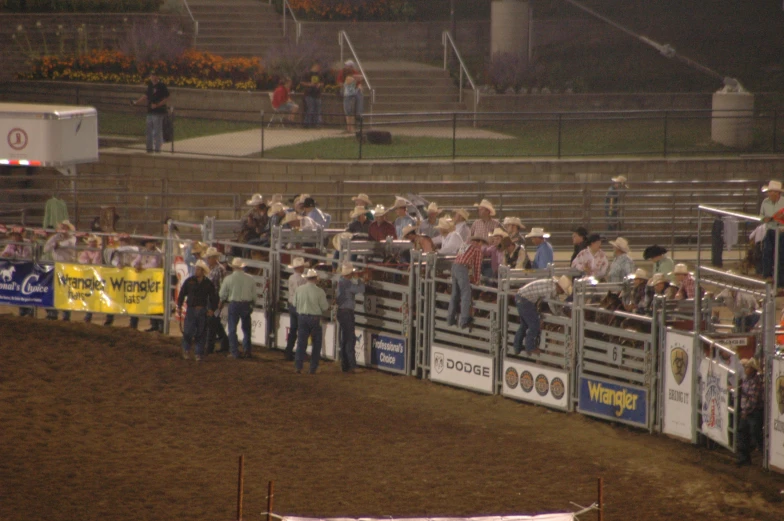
{"points": [[614, 401], [26, 284], [388, 352]]}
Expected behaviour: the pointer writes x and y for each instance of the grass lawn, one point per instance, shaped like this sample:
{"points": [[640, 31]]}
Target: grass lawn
{"points": [[132, 124]]}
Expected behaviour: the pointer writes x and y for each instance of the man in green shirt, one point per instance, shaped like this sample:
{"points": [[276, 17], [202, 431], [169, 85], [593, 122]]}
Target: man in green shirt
{"points": [[239, 290], [311, 303]]}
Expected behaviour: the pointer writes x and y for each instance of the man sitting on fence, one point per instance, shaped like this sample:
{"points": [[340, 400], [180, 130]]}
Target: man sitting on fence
{"points": [[322, 219], [622, 265], [592, 261], [544, 251], [460, 219], [359, 223], [466, 270], [403, 219], [634, 300], [661, 262], [742, 306], [526, 299], [451, 241], [380, 228], [428, 226], [772, 204], [485, 225], [685, 282]]}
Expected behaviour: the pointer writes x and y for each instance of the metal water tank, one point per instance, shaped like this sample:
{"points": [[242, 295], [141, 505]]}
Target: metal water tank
{"points": [[510, 25], [732, 122]]}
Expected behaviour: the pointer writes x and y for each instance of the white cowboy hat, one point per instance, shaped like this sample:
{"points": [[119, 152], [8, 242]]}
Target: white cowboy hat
{"points": [[773, 186], [311, 274], [638, 274], [362, 197], [498, 232], [619, 179], [656, 279], [407, 229], [275, 208], [487, 205], [357, 211], [433, 208], [445, 223], [290, 217], [462, 212], [349, 63], [400, 203], [347, 269], [66, 225], [276, 198], [300, 199], [297, 262], [537, 232], [338, 238], [203, 265], [212, 252], [565, 283], [255, 200], [238, 262], [750, 362], [379, 210], [622, 244], [680, 269], [515, 221]]}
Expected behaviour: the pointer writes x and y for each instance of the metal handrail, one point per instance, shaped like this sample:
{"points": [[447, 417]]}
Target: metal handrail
{"points": [[193, 19], [446, 38], [343, 36], [297, 25]]}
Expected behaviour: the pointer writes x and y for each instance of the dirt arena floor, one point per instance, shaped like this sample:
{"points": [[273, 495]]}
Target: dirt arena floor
{"points": [[110, 424]]}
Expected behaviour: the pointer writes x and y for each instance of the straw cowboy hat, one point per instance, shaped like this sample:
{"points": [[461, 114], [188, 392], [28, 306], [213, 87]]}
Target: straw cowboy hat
{"points": [[498, 232], [750, 362], [515, 221], [66, 225], [487, 205], [408, 229], [238, 262], [445, 223], [565, 283], [619, 179], [773, 186], [433, 208], [680, 269], [349, 63], [656, 279], [338, 238], [537, 232], [357, 211], [622, 244], [203, 265], [297, 262], [347, 269], [91, 238], [212, 252], [400, 203], [275, 208], [362, 198], [290, 217], [638, 274], [276, 198], [196, 247], [311, 274], [462, 212], [255, 200], [379, 211]]}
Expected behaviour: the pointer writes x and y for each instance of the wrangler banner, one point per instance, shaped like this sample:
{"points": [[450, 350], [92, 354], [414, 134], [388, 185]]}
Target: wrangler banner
{"points": [[101, 289]]}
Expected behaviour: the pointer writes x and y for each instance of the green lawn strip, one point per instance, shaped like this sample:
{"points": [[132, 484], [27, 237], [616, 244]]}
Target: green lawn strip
{"points": [[125, 124]]}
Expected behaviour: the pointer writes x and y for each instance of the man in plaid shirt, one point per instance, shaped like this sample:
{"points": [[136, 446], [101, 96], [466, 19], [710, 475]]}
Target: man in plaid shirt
{"points": [[485, 225], [685, 282], [526, 299], [752, 404], [466, 270]]}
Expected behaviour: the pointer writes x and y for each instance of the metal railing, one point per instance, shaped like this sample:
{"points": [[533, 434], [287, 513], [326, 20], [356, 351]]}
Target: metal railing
{"points": [[193, 19], [343, 37], [447, 41], [297, 24]]}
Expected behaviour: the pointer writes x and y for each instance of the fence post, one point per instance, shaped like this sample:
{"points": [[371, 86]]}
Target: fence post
{"points": [[262, 133], [775, 124], [454, 134], [171, 115], [78, 97], [361, 137], [666, 119], [560, 117]]}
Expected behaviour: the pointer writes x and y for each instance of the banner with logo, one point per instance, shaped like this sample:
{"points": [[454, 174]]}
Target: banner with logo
{"points": [[714, 394], [328, 349], [388, 352], [613, 401], [776, 416], [533, 383], [101, 289], [26, 284], [258, 327], [678, 380], [462, 368]]}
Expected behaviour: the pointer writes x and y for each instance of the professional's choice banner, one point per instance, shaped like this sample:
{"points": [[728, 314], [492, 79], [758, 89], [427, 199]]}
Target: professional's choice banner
{"points": [[328, 337], [26, 284], [776, 416], [714, 394], [101, 289], [613, 401], [533, 383], [462, 368], [388, 352], [678, 380], [258, 327]]}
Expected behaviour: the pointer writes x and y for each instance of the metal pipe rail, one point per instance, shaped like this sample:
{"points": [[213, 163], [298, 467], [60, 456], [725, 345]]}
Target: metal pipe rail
{"points": [[193, 19], [447, 41], [343, 36], [297, 24]]}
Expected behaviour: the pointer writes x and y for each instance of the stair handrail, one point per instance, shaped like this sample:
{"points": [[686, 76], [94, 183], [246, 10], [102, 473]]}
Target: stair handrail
{"points": [[193, 19], [297, 24], [446, 41], [342, 36]]}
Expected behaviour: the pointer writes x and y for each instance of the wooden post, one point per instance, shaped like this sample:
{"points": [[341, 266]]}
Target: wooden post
{"points": [[601, 500], [270, 495], [240, 483]]}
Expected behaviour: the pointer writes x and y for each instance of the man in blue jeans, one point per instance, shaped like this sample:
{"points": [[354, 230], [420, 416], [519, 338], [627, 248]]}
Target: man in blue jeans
{"points": [[526, 299], [349, 286], [295, 281], [313, 86], [156, 97], [199, 292], [239, 290], [311, 302]]}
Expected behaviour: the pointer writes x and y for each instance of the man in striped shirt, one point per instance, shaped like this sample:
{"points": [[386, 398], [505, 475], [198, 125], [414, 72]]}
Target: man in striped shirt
{"points": [[466, 270], [526, 299], [485, 225]]}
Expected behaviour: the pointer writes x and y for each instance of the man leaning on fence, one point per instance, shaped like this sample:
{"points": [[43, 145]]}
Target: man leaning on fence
{"points": [[311, 302], [466, 270], [349, 286], [199, 292], [526, 299], [772, 204], [239, 290]]}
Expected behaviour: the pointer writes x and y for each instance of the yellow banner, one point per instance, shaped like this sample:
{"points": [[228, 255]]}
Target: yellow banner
{"points": [[102, 289]]}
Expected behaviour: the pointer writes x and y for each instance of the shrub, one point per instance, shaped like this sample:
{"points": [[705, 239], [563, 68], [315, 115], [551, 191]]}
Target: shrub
{"points": [[507, 70], [83, 6], [154, 42], [294, 61]]}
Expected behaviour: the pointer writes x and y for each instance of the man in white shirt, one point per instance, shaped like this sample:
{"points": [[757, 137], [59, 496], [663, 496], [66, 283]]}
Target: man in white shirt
{"points": [[451, 241], [62, 247]]}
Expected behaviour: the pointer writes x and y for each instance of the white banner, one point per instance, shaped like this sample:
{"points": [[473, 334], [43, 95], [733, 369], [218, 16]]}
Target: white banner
{"points": [[328, 337], [462, 368], [776, 416], [678, 400], [541, 517], [533, 383], [715, 401], [258, 327]]}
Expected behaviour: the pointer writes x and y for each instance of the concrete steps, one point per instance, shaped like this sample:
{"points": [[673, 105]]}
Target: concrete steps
{"points": [[411, 87]]}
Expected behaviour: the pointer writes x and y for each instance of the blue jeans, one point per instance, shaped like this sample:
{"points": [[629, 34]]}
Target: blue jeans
{"points": [[461, 294], [291, 340], [309, 326], [348, 339], [194, 329], [768, 257], [154, 132], [745, 323], [749, 430], [239, 311], [529, 325], [312, 111]]}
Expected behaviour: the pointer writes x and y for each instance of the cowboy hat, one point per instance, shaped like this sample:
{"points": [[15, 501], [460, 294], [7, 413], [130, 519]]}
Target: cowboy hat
{"points": [[622, 244], [487, 205], [537, 232], [196, 247], [433, 208], [379, 211], [349, 63], [498, 232], [478, 238], [407, 229], [657, 278], [680, 269], [653, 251], [362, 197], [445, 223], [297, 262], [66, 225], [619, 179], [400, 203], [212, 252], [238, 262], [773, 186], [256, 199], [638, 274], [338, 238], [462, 212], [275, 208], [92, 237], [290, 217], [347, 269], [275, 198], [565, 283], [203, 265], [311, 274], [750, 362], [357, 211], [515, 221]]}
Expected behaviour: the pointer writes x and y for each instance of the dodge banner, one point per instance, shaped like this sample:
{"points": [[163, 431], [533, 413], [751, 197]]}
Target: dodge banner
{"points": [[100, 289], [26, 284]]}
